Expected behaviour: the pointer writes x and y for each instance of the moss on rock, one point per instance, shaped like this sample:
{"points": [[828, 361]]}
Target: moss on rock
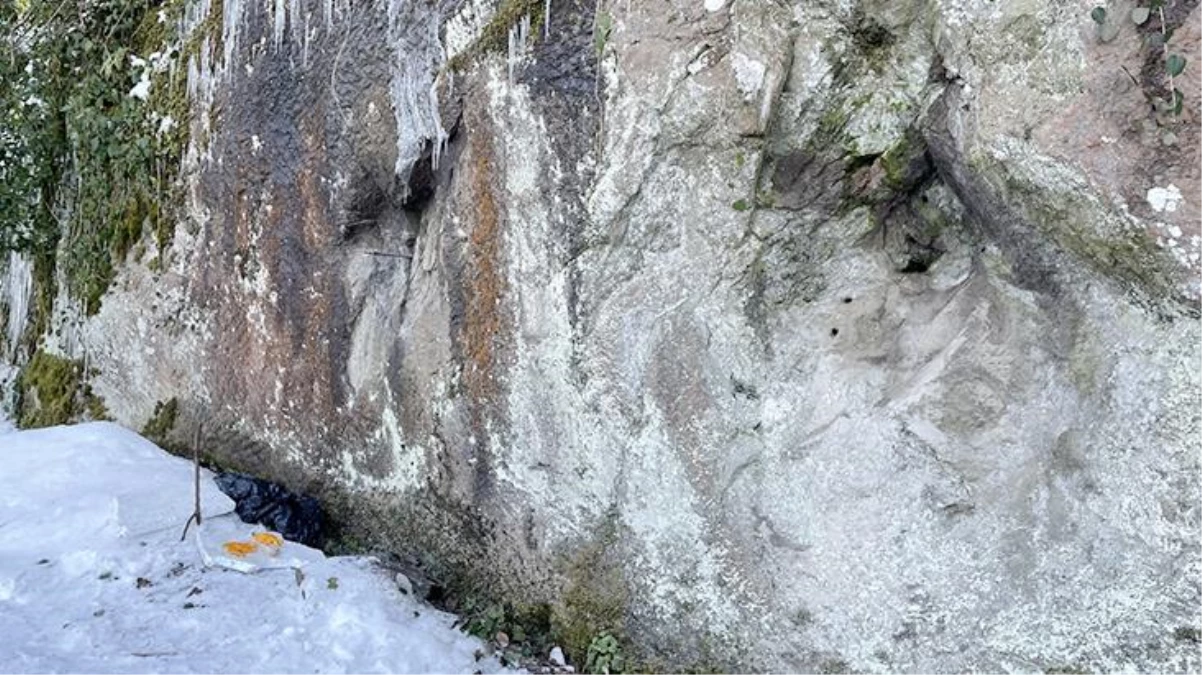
{"points": [[162, 421], [51, 391], [594, 602], [495, 36]]}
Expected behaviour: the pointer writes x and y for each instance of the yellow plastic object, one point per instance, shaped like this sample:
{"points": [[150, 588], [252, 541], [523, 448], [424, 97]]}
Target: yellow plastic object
{"points": [[239, 549], [269, 540]]}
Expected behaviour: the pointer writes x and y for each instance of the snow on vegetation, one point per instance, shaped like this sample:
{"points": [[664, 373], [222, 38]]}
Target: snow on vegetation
{"points": [[94, 577]]}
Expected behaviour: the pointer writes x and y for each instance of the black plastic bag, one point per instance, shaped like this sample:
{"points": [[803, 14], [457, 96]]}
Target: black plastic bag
{"points": [[295, 517]]}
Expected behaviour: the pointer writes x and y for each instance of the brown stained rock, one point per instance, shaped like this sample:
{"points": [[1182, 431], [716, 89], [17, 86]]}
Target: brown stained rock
{"points": [[1110, 131]]}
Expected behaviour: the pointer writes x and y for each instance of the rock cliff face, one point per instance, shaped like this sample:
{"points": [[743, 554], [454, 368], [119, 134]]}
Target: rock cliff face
{"points": [[826, 335]]}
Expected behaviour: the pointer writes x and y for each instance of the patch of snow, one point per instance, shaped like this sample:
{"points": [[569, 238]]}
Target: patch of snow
{"points": [[94, 578], [714, 5], [1164, 199], [557, 657], [141, 90]]}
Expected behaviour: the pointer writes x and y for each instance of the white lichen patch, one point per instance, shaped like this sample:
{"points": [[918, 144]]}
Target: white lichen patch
{"points": [[1164, 199], [749, 74]]}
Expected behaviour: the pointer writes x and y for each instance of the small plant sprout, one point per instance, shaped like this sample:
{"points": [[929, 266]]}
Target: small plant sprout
{"points": [[1174, 64], [604, 655], [1107, 30]]}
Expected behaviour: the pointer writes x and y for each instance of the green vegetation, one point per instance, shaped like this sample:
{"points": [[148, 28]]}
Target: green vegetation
{"points": [[495, 36], [82, 158], [1108, 28], [51, 391], [604, 655], [161, 422], [593, 605], [602, 28]]}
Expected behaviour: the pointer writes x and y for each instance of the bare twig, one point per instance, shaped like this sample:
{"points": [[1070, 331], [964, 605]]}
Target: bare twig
{"points": [[195, 482], [1165, 46]]}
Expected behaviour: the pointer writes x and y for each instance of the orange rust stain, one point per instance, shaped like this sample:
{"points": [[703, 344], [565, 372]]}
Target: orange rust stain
{"points": [[485, 284]]}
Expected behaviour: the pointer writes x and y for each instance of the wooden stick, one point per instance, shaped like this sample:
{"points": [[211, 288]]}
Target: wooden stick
{"points": [[195, 482]]}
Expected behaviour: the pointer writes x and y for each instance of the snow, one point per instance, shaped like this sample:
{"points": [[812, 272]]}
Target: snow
{"points": [[94, 577], [141, 90]]}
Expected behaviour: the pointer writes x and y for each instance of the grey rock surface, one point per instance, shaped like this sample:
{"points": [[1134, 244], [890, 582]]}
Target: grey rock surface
{"points": [[831, 335]]}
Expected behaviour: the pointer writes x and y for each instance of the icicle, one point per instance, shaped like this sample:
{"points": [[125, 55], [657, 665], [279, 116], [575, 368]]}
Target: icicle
{"points": [[279, 15], [547, 20], [440, 134], [294, 21], [518, 35], [18, 288], [414, 31], [511, 58], [231, 19]]}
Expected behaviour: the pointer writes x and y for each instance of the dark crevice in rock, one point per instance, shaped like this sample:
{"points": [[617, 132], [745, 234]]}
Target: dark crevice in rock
{"points": [[1034, 269], [367, 201], [422, 181]]}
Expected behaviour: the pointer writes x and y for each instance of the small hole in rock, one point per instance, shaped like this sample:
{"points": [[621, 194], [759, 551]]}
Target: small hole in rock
{"points": [[834, 332], [916, 266], [846, 300]]}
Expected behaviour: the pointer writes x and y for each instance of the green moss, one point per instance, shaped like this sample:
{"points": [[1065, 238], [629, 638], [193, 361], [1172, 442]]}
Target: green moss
{"points": [[93, 405], [594, 602], [51, 390], [1082, 227], [158, 428], [47, 390], [832, 124], [896, 163], [495, 36]]}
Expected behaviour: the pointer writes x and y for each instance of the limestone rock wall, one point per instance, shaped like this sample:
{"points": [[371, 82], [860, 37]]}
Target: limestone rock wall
{"points": [[825, 335]]}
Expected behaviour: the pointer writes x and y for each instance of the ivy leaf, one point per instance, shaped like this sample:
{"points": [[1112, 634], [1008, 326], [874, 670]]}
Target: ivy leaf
{"points": [[1176, 64], [740, 205], [1098, 15], [1140, 15], [1178, 101]]}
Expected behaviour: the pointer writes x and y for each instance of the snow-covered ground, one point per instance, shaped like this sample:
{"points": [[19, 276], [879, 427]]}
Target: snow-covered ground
{"points": [[94, 578]]}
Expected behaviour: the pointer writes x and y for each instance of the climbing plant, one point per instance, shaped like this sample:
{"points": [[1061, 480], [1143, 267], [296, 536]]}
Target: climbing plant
{"points": [[1108, 28], [94, 128]]}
